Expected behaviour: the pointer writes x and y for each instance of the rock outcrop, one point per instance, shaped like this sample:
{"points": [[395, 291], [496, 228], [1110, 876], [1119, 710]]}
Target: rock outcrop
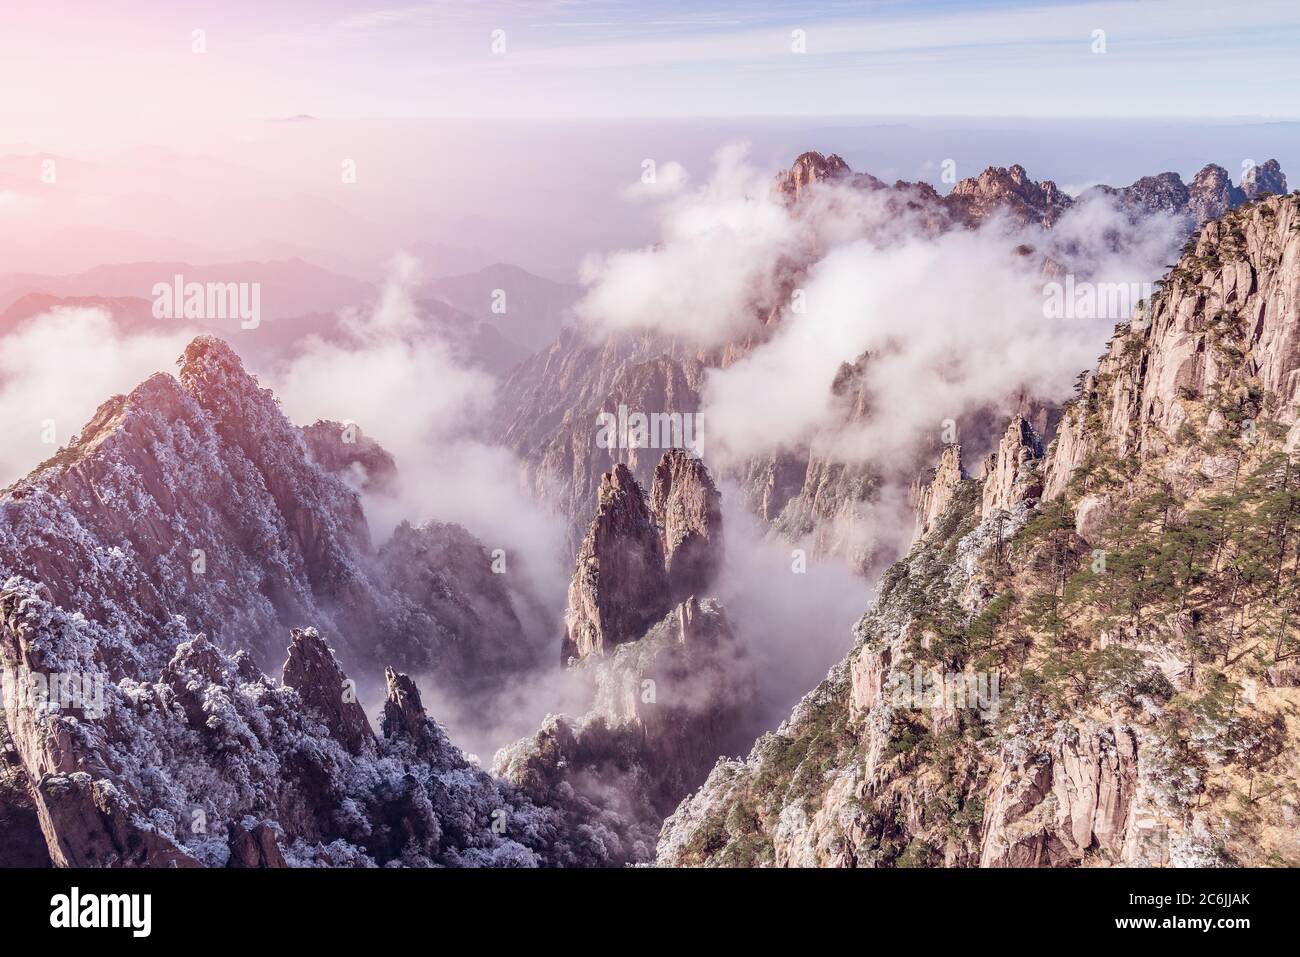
{"points": [[807, 169], [669, 682], [1208, 196], [640, 557], [688, 510], [1211, 194], [620, 586], [1051, 809], [1010, 192], [931, 492], [313, 671], [344, 449], [1010, 474], [1264, 180]]}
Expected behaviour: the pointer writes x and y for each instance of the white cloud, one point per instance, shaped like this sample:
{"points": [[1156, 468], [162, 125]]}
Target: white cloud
{"points": [[669, 179], [57, 368], [953, 323], [398, 380]]}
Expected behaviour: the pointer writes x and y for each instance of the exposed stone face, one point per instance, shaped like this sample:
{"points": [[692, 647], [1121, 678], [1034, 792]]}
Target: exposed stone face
{"points": [[688, 510], [1049, 809], [1265, 179], [1211, 194], [255, 848], [931, 493], [1067, 452], [404, 717], [344, 449], [1090, 516], [312, 670], [620, 586], [640, 557], [1012, 473], [810, 168], [1010, 191]]}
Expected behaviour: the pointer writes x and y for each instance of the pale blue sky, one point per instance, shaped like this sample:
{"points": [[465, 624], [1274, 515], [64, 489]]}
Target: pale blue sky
{"points": [[69, 62]]}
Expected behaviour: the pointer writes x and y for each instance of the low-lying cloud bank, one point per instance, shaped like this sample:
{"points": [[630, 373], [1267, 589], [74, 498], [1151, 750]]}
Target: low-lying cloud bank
{"points": [[387, 369], [954, 322], [394, 375], [56, 369]]}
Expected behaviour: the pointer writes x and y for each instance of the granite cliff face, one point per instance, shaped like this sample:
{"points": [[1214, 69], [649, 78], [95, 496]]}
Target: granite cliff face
{"points": [[1087, 658]]}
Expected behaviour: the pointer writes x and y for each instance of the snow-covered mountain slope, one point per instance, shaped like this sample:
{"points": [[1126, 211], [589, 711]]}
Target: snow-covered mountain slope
{"points": [[194, 496]]}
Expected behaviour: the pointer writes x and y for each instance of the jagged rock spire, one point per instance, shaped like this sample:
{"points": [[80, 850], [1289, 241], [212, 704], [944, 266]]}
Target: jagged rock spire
{"points": [[1008, 474], [931, 492], [688, 509], [313, 671], [639, 557]]}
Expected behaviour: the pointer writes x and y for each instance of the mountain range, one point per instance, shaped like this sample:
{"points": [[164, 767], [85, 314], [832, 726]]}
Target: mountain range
{"points": [[1101, 587]]}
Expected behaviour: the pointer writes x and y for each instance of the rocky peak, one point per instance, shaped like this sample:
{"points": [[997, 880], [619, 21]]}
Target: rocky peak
{"points": [[1211, 194], [620, 586], [406, 723], [254, 848], [1266, 179], [1010, 190], [196, 497], [809, 168], [1165, 192], [344, 449], [1008, 474], [688, 510], [931, 492], [1208, 196], [643, 554], [312, 670]]}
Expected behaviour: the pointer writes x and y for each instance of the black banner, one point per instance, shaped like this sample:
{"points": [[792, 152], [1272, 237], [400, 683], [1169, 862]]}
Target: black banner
{"points": [[371, 907]]}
